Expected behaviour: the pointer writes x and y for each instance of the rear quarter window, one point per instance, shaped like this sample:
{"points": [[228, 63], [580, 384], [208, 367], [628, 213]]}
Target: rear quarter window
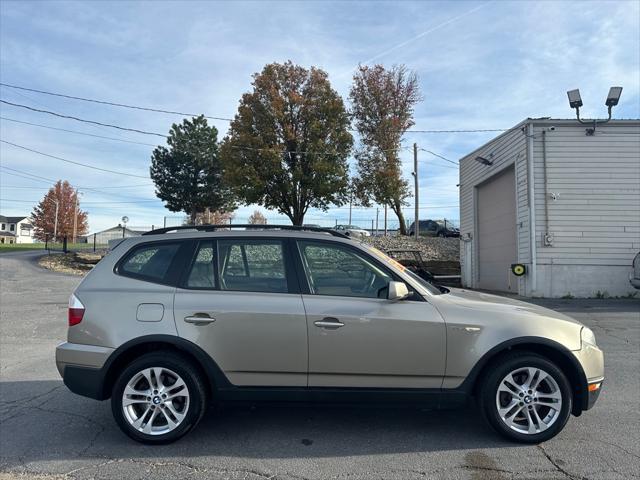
{"points": [[149, 262]]}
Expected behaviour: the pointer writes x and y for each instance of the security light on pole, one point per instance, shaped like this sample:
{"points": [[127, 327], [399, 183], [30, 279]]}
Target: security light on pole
{"points": [[575, 101], [125, 219]]}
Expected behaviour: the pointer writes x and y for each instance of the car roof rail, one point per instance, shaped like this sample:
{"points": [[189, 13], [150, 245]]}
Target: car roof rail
{"points": [[214, 228]]}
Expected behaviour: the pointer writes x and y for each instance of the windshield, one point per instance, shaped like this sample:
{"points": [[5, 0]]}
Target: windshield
{"points": [[395, 265]]}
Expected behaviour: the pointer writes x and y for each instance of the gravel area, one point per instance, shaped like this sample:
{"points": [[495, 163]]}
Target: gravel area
{"points": [[72, 263], [431, 248]]}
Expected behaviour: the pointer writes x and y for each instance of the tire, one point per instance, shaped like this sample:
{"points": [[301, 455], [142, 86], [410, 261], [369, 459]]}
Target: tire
{"points": [[528, 418], [171, 418]]}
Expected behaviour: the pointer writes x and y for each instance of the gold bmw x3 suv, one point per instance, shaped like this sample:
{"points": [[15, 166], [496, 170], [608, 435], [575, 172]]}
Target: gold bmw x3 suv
{"points": [[176, 319]]}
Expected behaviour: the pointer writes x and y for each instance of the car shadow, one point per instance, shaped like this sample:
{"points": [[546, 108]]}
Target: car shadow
{"points": [[43, 421]]}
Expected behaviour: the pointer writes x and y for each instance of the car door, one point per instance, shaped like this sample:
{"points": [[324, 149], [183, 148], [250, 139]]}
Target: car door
{"points": [[240, 302], [358, 338]]}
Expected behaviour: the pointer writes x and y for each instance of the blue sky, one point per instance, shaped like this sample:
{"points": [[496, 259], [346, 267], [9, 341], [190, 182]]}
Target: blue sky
{"points": [[481, 65]]}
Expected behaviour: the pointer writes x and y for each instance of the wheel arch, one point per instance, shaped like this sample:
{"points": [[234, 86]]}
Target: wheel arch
{"points": [[212, 374], [551, 350]]}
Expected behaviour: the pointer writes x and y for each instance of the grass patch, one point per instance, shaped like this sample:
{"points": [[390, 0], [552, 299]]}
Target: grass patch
{"points": [[20, 247]]}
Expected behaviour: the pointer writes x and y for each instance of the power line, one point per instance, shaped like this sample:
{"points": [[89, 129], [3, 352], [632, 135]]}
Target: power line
{"points": [[116, 172], [76, 132], [157, 110], [93, 122], [114, 104], [48, 181], [84, 203], [439, 156]]}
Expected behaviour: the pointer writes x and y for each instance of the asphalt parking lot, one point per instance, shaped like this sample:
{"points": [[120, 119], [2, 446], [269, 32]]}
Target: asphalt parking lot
{"points": [[47, 432]]}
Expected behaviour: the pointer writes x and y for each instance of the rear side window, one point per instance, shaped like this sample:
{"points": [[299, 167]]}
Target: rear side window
{"points": [[252, 266], [149, 262], [202, 273]]}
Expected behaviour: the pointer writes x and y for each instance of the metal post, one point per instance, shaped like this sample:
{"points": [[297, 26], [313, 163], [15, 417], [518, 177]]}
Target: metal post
{"points": [[64, 244], [385, 219], [46, 242], [377, 213], [164, 225], [94, 242], [123, 227], [350, 206], [416, 225], [372, 225]]}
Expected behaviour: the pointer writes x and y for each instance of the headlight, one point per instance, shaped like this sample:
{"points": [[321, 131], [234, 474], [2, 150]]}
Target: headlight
{"points": [[587, 336]]}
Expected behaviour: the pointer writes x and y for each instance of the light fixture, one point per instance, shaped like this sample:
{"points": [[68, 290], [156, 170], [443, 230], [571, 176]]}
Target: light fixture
{"points": [[484, 161], [613, 97], [575, 101]]}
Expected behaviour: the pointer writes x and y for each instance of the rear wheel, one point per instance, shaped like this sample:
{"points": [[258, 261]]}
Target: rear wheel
{"points": [[526, 398], [158, 398]]}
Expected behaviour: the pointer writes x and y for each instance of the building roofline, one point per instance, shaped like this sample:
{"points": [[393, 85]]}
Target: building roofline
{"points": [[549, 121]]}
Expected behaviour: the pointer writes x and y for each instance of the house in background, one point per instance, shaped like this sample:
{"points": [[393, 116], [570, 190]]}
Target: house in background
{"points": [[15, 230], [560, 201]]}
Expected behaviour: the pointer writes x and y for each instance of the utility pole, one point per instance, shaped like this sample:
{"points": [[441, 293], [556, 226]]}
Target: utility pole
{"points": [[55, 222], [75, 216], [350, 204], [416, 224]]}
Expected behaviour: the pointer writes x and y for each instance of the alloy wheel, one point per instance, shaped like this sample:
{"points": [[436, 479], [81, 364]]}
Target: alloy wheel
{"points": [[155, 401], [529, 400]]}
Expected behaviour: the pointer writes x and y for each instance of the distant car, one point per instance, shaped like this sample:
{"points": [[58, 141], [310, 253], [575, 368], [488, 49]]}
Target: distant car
{"points": [[435, 228], [352, 231], [311, 225], [634, 276]]}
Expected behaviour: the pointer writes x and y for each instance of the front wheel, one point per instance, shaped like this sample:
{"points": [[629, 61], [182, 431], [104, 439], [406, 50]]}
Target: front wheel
{"points": [[158, 398], [526, 398]]}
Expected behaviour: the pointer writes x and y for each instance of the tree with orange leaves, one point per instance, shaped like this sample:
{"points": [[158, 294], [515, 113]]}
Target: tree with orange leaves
{"points": [[63, 198]]}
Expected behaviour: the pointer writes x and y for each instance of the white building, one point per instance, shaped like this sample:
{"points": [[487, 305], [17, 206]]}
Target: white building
{"points": [[15, 230], [113, 233], [563, 203]]}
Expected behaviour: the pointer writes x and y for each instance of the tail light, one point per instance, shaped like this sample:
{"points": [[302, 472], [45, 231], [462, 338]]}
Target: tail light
{"points": [[76, 310]]}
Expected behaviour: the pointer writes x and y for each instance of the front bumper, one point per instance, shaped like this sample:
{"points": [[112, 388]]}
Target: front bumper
{"points": [[591, 359], [80, 367], [594, 390]]}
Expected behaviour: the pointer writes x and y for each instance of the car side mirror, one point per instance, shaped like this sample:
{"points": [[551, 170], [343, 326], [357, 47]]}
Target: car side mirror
{"points": [[397, 291]]}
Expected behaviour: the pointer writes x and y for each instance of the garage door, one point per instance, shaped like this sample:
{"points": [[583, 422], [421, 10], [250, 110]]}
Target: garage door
{"points": [[497, 232]]}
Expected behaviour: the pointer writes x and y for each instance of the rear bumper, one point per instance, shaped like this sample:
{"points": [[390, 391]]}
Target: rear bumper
{"points": [[80, 367]]}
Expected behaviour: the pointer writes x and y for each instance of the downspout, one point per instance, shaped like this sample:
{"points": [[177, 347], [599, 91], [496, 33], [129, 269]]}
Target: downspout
{"points": [[548, 238], [532, 209]]}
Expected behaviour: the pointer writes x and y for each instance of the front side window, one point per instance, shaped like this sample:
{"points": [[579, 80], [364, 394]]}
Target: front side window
{"points": [[252, 266], [149, 262], [202, 273], [340, 271], [12, 227]]}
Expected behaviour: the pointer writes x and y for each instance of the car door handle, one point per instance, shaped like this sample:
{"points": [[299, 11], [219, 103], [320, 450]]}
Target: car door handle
{"points": [[200, 319], [328, 322]]}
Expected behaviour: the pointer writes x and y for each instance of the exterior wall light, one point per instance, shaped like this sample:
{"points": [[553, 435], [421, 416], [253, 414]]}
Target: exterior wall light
{"points": [[484, 161], [575, 101]]}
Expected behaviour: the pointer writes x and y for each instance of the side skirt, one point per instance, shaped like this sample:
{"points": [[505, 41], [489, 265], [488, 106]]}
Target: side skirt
{"points": [[424, 398]]}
